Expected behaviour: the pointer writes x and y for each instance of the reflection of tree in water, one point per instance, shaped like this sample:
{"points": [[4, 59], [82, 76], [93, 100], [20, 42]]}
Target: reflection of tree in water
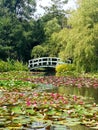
{"points": [[86, 92], [80, 127], [60, 127], [77, 127], [96, 95]]}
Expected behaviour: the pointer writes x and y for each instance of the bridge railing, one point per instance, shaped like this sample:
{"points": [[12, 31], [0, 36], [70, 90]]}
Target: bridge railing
{"points": [[44, 62]]}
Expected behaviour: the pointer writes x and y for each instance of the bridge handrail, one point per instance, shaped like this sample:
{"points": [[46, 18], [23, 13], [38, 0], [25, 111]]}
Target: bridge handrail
{"points": [[36, 59], [40, 62]]}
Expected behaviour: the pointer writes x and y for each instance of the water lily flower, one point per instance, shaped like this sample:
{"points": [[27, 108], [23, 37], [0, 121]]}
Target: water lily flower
{"points": [[28, 102], [69, 111], [4, 107], [61, 97], [94, 104], [95, 85], [51, 102], [55, 95], [21, 94], [75, 98], [65, 102], [35, 94], [81, 102], [79, 85], [34, 103]]}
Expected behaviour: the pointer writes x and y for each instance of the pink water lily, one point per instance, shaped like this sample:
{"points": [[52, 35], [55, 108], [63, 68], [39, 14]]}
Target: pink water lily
{"points": [[61, 97], [34, 103], [28, 103], [68, 81], [35, 94], [95, 85], [51, 102], [81, 102], [65, 102], [54, 96], [21, 94], [75, 98]]}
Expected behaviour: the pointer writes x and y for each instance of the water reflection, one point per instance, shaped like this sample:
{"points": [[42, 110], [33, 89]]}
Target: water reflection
{"points": [[79, 127], [87, 92], [60, 128], [41, 126]]}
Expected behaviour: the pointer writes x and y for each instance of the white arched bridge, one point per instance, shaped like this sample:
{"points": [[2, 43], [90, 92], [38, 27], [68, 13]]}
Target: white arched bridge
{"points": [[44, 62]]}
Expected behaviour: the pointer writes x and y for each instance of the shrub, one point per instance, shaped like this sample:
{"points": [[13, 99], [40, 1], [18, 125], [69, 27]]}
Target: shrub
{"points": [[11, 65], [65, 69], [20, 66], [4, 66]]}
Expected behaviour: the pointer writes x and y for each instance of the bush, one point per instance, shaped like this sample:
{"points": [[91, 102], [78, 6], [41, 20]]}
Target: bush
{"points": [[20, 66], [65, 69], [12, 65], [3, 66]]}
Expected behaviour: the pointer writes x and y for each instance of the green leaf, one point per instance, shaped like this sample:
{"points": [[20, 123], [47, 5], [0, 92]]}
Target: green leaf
{"points": [[17, 110]]}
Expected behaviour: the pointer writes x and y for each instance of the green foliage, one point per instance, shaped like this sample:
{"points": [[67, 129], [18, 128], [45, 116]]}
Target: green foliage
{"points": [[57, 40], [45, 109], [17, 38], [56, 10], [11, 84], [53, 43], [38, 51], [65, 69], [11, 65], [3, 66], [51, 27], [87, 58], [19, 66], [81, 41], [22, 9], [19, 32]]}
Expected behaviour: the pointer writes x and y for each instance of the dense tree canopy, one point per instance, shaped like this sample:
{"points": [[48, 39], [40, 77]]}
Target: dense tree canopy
{"points": [[17, 37], [73, 36], [82, 37], [21, 8]]}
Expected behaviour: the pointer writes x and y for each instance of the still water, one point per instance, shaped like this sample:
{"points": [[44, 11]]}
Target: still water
{"points": [[86, 92]]}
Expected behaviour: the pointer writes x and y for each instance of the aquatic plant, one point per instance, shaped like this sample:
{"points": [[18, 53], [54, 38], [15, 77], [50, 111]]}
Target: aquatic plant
{"points": [[67, 81], [21, 108]]}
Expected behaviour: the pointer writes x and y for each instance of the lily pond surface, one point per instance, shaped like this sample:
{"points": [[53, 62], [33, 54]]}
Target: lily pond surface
{"points": [[48, 103]]}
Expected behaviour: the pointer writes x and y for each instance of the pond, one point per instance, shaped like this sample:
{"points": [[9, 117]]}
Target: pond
{"points": [[91, 93], [83, 91], [16, 107], [11, 111], [86, 92]]}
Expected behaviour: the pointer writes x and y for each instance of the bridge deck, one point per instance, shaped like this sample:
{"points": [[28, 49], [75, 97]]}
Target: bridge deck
{"points": [[44, 62]]}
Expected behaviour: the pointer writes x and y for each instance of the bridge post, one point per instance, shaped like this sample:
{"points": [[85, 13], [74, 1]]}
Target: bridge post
{"points": [[50, 61], [41, 62], [47, 61], [38, 62]]}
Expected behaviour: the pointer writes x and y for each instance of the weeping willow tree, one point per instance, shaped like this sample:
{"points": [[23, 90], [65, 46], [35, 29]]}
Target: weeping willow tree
{"points": [[82, 42]]}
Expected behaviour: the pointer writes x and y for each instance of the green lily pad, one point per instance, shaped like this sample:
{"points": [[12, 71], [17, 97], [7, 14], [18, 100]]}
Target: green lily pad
{"points": [[30, 111], [17, 110]]}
